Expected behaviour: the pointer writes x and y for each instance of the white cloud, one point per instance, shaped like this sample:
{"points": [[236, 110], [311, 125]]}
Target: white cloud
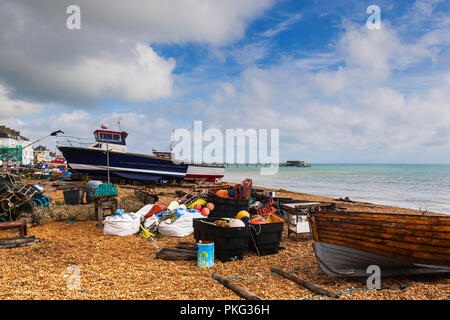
{"points": [[144, 76], [351, 113], [284, 25], [109, 57], [346, 104], [10, 107], [376, 53]]}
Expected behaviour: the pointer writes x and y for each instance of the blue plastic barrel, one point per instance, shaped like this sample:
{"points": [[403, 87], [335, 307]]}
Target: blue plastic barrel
{"points": [[205, 254]]}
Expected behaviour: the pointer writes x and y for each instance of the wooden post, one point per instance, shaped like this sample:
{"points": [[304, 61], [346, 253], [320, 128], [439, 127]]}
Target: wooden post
{"points": [[306, 284], [104, 203], [98, 208], [244, 293]]}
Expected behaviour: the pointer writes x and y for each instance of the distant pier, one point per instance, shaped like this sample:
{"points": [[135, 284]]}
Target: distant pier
{"points": [[296, 163]]}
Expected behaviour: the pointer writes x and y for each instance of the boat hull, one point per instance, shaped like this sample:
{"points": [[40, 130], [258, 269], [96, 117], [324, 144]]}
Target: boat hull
{"points": [[211, 173], [346, 243], [348, 262], [122, 166]]}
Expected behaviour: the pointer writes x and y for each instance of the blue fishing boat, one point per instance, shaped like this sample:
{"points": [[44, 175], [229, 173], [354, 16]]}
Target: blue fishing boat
{"points": [[107, 157]]}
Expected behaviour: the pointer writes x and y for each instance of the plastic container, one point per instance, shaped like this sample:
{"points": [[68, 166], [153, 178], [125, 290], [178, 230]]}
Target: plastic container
{"points": [[74, 196], [205, 254], [265, 238], [229, 243], [226, 208], [90, 190]]}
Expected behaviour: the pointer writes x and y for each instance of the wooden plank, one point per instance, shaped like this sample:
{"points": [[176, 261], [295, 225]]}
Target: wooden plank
{"points": [[313, 227], [392, 244], [443, 251], [388, 221], [11, 225], [386, 251], [176, 254], [306, 284], [411, 215], [387, 229], [385, 223], [242, 292], [395, 217], [187, 246], [21, 225], [443, 244], [17, 240], [363, 247], [20, 244]]}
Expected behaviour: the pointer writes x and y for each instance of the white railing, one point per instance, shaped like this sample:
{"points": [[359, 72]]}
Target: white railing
{"points": [[68, 141]]}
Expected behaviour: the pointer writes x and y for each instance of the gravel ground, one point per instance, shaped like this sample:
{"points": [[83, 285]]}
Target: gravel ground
{"points": [[125, 268]]}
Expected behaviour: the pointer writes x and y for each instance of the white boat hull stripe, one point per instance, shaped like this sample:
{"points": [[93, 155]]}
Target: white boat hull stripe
{"points": [[80, 166]]}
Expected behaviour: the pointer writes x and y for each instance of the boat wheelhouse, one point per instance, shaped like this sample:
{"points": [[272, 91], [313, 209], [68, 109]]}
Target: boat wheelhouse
{"points": [[115, 141]]}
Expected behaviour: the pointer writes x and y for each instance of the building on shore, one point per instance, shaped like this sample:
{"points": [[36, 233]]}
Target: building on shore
{"points": [[13, 147], [295, 163], [42, 154]]}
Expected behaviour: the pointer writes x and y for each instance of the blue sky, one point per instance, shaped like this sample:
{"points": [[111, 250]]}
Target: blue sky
{"points": [[337, 91]]}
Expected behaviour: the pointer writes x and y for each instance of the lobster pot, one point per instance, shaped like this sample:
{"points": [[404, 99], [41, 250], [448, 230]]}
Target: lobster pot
{"points": [[205, 254]]}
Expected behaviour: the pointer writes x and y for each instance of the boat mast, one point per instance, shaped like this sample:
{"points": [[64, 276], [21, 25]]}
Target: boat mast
{"points": [[107, 160], [171, 141]]}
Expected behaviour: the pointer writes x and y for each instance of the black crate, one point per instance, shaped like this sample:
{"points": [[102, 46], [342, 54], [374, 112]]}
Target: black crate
{"points": [[229, 243], [265, 238], [226, 208], [74, 196]]}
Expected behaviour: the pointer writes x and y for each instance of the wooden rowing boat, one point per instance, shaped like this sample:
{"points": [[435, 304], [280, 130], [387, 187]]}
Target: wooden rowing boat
{"points": [[347, 243]]}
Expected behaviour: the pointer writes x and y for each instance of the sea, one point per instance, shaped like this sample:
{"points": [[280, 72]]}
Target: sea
{"points": [[417, 186]]}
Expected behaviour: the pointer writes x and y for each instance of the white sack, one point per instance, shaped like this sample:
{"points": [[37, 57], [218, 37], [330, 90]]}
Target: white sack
{"points": [[144, 210], [122, 225], [150, 221], [182, 227]]}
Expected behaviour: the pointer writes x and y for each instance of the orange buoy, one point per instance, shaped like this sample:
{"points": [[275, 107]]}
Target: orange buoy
{"points": [[222, 193], [258, 220]]}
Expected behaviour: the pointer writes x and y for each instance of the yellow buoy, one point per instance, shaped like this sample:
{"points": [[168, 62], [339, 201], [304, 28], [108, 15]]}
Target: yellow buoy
{"points": [[242, 214]]}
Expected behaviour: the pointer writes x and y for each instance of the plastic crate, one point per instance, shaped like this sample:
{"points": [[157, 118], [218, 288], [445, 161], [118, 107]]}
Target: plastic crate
{"points": [[229, 243], [74, 197], [226, 208], [265, 238]]}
